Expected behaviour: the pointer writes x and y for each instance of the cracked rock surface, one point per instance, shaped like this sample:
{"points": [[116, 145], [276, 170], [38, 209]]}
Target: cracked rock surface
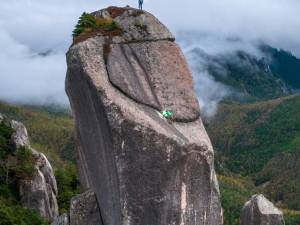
{"points": [[143, 168]]}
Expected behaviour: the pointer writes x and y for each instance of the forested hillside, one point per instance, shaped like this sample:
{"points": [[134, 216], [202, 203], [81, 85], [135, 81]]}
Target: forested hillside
{"points": [[270, 73], [257, 151]]}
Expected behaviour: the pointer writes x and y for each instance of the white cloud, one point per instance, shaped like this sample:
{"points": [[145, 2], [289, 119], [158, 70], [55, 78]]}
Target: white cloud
{"points": [[30, 78], [28, 27]]}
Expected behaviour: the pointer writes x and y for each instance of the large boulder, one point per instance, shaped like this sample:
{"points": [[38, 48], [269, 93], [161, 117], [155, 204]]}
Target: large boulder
{"points": [[260, 211], [38, 192], [143, 168]]}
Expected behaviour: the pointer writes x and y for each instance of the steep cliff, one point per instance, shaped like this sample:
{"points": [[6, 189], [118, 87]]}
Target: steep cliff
{"points": [[30, 171], [144, 168]]}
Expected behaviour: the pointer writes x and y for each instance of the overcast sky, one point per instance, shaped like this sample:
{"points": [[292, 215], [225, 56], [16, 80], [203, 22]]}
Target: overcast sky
{"points": [[29, 27]]}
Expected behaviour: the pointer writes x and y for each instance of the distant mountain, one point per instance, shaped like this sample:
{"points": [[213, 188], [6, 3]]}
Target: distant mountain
{"points": [[283, 65], [275, 73]]}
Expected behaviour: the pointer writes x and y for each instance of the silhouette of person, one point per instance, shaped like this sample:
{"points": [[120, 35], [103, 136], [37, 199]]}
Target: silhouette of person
{"points": [[141, 4]]}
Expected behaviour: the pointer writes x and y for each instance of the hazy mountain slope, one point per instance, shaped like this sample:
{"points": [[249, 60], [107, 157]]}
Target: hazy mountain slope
{"points": [[247, 136], [283, 65], [50, 130], [280, 179], [261, 140], [271, 74]]}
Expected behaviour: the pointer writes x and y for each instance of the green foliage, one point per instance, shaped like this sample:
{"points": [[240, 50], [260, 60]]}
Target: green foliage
{"points": [[50, 131], [5, 142], [261, 140], [291, 217], [68, 186], [24, 163], [16, 215], [88, 23], [235, 192], [7, 191], [249, 135], [85, 21], [280, 181], [14, 164]]}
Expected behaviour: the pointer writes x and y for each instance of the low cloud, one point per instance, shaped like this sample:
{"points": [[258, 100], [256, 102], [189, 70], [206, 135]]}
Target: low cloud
{"points": [[27, 77], [31, 27], [210, 93], [201, 52]]}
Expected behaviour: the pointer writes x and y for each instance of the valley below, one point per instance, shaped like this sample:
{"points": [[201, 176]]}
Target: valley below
{"points": [[257, 150]]}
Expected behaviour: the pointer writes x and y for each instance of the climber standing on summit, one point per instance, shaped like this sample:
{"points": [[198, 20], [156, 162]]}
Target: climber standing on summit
{"points": [[141, 4]]}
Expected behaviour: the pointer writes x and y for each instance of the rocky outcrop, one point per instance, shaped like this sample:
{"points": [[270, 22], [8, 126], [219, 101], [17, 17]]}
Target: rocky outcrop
{"points": [[84, 210], [20, 136], [61, 220], [136, 25], [260, 211], [1, 117], [40, 191], [143, 168]]}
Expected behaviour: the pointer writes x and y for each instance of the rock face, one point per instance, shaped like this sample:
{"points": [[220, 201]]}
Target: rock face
{"points": [[20, 136], [1, 118], [62, 220], [143, 168], [260, 211], [84, 210], [38, 193]]}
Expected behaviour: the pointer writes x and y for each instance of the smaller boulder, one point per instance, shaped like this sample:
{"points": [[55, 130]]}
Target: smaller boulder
{"points": [[61, 220], [39, 192], [1, 118], [260, 211], [84, 210], [20, 136]]}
